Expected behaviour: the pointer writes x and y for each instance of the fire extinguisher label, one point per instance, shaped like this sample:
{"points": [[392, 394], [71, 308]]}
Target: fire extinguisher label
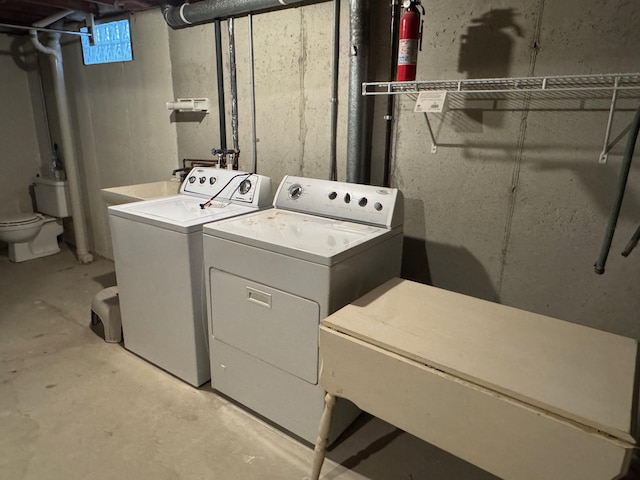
{"points": [[408, 51]]}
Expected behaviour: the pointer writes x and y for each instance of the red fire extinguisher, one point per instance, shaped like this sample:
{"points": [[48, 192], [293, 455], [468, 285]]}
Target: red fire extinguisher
{"points": [[410, 40]]}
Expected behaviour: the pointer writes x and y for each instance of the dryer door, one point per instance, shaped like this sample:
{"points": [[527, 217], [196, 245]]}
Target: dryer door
{"points": [[274, 326]]}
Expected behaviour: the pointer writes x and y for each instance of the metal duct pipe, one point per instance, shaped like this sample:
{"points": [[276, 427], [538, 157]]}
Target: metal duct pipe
{"points": [[357, 134], [234, 91], [220, 77], [209, 10], [73, 179]]}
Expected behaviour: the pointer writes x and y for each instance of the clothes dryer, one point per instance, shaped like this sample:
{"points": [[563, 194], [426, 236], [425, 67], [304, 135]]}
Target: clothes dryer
{"points": [[271, 276]]}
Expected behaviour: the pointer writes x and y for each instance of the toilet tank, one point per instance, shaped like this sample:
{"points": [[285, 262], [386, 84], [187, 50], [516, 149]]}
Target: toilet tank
{"points": [[52, 197]]}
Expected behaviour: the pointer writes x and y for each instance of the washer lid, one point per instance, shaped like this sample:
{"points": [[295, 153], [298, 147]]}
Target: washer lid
{"points": [[309, 237], [20, 219], [181, 213]]}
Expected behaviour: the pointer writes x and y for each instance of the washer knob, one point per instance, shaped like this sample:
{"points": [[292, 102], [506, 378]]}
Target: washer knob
{"points": [[377, 206], [192, 179], [203, 179], [363, 202], [333, 196], [212, 180], [347, 198]]}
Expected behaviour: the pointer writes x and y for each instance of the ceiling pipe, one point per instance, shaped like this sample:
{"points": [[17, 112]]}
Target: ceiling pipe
{"points": [[209, 10], [54, 51]]}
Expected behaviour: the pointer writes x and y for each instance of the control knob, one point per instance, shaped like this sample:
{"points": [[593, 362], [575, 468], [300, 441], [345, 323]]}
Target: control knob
{"points": [[295, 191], [245, 186]]}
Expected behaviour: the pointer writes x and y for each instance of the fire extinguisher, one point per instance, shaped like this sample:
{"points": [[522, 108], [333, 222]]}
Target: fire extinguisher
{"points": [[410, 41]]}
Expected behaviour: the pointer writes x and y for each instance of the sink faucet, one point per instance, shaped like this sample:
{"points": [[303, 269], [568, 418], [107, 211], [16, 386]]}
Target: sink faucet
{"points": [[183, 173]]}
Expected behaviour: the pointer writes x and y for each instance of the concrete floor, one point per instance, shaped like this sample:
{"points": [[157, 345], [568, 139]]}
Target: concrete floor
{"points": [[75, 407]]}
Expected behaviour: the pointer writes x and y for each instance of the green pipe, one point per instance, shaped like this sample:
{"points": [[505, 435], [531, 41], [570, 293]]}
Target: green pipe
{"points": [[632, 243], [622, 184]]}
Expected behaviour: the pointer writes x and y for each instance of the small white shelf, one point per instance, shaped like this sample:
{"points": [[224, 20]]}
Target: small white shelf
{"points": [[613, 86]]}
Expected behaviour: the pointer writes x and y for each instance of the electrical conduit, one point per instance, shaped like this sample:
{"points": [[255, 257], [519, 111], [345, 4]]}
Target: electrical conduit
{"points": [[73, 179]]}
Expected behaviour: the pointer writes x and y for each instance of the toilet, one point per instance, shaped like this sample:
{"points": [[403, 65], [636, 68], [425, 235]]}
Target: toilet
{"points": [[35, 235]]}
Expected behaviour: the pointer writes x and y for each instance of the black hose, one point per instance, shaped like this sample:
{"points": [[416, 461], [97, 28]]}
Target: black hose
{"points": [[622, 184]]}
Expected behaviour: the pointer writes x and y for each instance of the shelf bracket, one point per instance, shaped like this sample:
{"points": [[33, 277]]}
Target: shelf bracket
{"points": [[434, 145], [607, 147]]}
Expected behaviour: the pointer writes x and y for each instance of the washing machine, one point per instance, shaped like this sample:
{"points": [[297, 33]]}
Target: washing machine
{"points": [[271, 276], [157, 246]]}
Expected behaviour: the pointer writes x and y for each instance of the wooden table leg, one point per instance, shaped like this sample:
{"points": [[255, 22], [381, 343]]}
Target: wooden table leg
{"points": [[323, 436]]}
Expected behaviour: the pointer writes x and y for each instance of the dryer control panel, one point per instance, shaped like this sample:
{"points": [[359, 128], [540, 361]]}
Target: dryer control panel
{"points": [[345, 201], [227, 185]]}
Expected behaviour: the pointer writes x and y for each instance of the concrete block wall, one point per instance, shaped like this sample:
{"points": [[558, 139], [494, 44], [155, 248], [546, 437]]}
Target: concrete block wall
{"points": [[124, 133], [512, 207], [19, 148]]}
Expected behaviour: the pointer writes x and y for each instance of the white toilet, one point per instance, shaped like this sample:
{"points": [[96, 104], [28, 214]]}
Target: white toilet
{"points": [[35, 235]]}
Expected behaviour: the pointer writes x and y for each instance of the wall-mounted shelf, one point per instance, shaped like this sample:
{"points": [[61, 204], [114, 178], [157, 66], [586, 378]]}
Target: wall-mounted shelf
{"points": [[617, 82], [614, 86]]}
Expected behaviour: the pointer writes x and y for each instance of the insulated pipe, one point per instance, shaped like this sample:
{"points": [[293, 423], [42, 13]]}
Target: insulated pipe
{"points": [[209, 10], [333, 171], [220, 77], [357, 165], [622, 184], [73, 179]]}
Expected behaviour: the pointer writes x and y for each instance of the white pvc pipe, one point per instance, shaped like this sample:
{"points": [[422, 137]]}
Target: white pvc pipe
{"points": [[45, 22], [70, 162]]}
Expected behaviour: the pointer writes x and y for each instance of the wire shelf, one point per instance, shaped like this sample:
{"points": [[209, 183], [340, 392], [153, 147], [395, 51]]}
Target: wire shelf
{"points": [[625, 84], [613, 86]]}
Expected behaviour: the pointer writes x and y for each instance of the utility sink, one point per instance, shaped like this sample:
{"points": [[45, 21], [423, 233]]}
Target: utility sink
{"points": [[141, 191]]}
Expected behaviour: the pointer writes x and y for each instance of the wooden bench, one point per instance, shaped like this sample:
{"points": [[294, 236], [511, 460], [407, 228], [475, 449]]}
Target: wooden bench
{"points": [[521, 395]]}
